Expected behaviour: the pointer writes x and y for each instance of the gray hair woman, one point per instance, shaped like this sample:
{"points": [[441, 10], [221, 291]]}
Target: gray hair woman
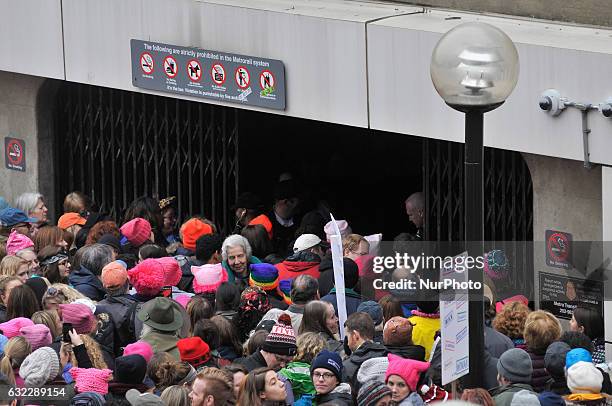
{"points": [[237, 256], [33, 204]]}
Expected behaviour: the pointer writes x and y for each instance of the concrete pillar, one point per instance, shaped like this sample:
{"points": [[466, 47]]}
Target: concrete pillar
{"points": [[606, 224]]}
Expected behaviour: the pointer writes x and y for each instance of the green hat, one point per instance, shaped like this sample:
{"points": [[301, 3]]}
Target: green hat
{"points": [[161, 314]]}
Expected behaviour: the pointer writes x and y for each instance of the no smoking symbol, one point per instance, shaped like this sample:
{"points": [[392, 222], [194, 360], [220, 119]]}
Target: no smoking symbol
{"points": [[146, 63], [14, 152], [194, 70]]}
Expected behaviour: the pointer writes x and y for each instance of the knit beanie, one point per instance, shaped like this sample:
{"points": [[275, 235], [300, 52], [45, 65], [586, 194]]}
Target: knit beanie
{"points": [[373, 369], [584, 377], [525, 397], [577, 355], [194, 351], [281, 339], [147, 277], [114, 275], [207, 278], [550, 399], [343, 225], [373, 309], [183, 300], [193, 229], [264, 275], [397, 332], [136, 231], [407, 369], [328, 360], [17, 242], [284, 288], [130, 369], [496, 264], [11, 328], [37, 335], [172, 270], [141, 348], [515, 365], [91, 379], [81, 317], [554, 359], [371, 393], [40, 367]]}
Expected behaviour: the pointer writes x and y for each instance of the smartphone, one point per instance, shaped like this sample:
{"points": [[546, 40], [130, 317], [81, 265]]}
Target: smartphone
{"points": [[166, 292], [66, 327]]}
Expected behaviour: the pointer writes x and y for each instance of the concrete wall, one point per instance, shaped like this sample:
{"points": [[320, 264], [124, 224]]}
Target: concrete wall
{"points": [[594, 12], [18, 99]]}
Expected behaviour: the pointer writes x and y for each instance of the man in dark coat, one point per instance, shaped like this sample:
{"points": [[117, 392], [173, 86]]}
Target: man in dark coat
{"points": [[351, 278], [87, 278]]}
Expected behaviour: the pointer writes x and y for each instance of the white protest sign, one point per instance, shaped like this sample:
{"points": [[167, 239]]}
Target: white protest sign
{"points": [[335, 241], [454, 319]]}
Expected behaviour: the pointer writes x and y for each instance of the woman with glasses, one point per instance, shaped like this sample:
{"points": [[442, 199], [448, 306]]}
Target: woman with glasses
{"points": [[355, 246], [54, 264], [262, 386], [326, 374], [12, 265]]}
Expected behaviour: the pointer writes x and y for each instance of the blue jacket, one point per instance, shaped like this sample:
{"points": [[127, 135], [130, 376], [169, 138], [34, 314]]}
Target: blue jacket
{"points": [[87, 283], [353, 300]]}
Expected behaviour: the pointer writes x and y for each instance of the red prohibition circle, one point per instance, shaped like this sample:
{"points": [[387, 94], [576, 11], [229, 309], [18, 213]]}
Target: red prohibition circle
{"points": [[261, 76], [213, 71], [189, 73], [175, 67], [248, 82], [152, 63], [18, 159], [563, 253]]}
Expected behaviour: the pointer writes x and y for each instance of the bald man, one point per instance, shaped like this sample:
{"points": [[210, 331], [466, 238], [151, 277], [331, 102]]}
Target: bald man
{"points": [[415, 208]]}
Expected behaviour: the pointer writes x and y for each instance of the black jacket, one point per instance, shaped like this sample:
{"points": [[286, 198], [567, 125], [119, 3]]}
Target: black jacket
{"points": [[340, 396], [252, 362], [185, 262], [122, 309], [352, 364], [416, 352], [87, 283]]}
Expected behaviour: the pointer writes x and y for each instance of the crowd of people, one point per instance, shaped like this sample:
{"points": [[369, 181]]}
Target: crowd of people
{"points": [[147, 311]]}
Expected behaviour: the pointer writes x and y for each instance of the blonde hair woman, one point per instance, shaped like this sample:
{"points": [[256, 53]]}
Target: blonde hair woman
{"points": [[298, 371], [12, 265], [58, 294], [15, 351]]}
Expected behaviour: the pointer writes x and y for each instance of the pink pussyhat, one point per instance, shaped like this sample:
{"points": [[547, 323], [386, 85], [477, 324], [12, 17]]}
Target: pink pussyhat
{"points": [[37, 335], [91, 379], [11, 328], [183, 300], [17, 242], [141, 348], [207, 278]]}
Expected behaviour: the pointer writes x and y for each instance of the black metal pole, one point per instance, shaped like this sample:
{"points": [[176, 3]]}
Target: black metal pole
{"points": [[474, 237]]}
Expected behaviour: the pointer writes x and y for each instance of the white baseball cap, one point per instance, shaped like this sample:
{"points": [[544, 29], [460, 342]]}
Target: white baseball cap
{"points": [[305, 241]]}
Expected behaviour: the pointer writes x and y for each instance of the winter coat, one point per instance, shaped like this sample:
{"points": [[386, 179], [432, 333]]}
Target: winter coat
{"points": [[340, 396], [186, 262], [558, 386], [105, 337], [242, 283], [87, 283], [352, 364], [122, 309], [496, 343], [226, 355], [253, 361], [502, 395], [228, 314], [298, 373], [599, 355], [117, 390], [415, 352], [282, 236], [295, 312], [353, 300], [300, 263], [2, 313], [332, 344], [424, 332], [412, 400], [163, 343], [539, 376]]}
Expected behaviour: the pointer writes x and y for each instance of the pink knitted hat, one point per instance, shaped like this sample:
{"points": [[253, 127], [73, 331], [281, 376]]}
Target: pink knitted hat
{"points": [[137, 231], [407, 369], [147, 277], [37, 335], [91, 379], [183, 300], [141, 348], [17, 242], [11, 328], [208, 277], [81, 317], [172, 271]]}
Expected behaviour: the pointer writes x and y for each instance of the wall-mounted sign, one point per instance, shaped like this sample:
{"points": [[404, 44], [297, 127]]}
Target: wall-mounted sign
{"points": [[561, 294], [14, 154], [202, 73], [558, 249]]}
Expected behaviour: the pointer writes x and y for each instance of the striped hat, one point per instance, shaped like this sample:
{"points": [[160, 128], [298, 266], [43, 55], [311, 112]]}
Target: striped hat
{"points": [[370, 394], [264, 275], [284, 288], [281, 339]]}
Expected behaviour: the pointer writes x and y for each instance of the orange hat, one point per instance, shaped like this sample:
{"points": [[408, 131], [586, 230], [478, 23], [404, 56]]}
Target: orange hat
{"points": [[69, 219], [193, 229], [264, 221], [114, 275]]}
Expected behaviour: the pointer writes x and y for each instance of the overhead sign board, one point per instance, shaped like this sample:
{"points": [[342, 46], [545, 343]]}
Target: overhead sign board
{"points": [[196, 72]]}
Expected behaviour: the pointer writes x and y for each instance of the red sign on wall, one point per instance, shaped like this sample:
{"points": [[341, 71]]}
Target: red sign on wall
{"points": [[14, 154]]}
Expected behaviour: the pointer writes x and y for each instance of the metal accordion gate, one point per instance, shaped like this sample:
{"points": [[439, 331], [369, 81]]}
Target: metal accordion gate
{"points": [[508, 205], [116, 145]]}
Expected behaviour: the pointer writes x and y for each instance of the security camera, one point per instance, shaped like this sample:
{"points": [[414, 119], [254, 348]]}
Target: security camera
{"points": [[606, 108], [546, 103], [552, 102]]}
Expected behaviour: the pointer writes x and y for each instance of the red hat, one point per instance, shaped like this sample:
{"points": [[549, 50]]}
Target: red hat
{"points": [[81, 317], [172, 271], [148, 277], [264, 221], [137, 231], [193, 229], [194, 351]]}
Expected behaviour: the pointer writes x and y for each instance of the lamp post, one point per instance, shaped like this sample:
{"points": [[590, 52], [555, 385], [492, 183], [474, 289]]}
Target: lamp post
{"points": [[474, 68]]}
